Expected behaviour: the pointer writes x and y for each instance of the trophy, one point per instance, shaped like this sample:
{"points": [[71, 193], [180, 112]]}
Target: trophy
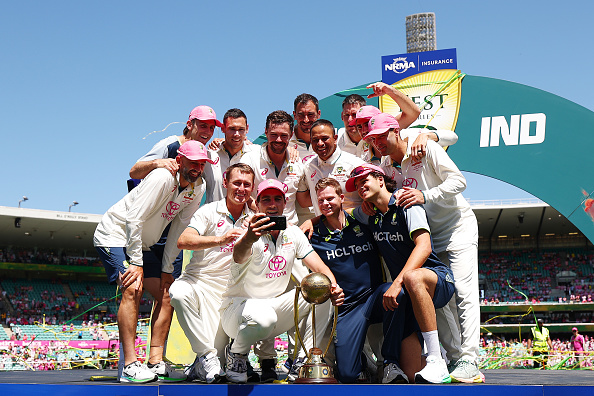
{"points": [[315, 289]]}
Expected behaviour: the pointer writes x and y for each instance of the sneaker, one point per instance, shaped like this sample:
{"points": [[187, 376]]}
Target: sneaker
{"points": [[137, 373], [294, 372], [268, 373], [166, 373], [434, 372], [394, 375], [206, 369], [467, 372], [236, 367]]}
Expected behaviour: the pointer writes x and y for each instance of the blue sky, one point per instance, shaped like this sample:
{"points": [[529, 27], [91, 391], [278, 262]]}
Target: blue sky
{"points": [[81, 83]]}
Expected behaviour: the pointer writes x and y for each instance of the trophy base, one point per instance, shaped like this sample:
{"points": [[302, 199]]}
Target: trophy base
{"points": [[315, 373]]}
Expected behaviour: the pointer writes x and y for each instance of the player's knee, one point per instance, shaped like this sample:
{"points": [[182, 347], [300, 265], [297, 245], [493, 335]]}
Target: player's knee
{"points": [[413, 280]]}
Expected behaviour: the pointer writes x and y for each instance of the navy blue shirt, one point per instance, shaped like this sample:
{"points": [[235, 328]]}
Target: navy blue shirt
{"points": [[353, 257], [392, 232]]}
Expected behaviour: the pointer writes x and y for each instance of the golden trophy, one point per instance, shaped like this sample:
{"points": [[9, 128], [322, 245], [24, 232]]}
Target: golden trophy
{"points": [[315, 289]]}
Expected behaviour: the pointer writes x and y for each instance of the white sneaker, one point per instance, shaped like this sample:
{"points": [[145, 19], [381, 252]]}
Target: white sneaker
{"points": [[137, 373], [394, 375], [207, 369], [435, 372], [236, 367], [166, 373], [467, 372]]}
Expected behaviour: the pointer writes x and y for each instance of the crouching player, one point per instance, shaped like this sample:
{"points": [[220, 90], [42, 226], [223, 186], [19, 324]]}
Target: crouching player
{"points": [[255, 305], [403, 238]]}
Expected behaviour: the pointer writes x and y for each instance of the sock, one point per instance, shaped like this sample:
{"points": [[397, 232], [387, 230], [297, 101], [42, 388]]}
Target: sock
{"points": [[432, 343]]}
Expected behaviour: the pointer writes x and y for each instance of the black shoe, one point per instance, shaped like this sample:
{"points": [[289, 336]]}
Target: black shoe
{"points": [[252, 376], [268, 373]]}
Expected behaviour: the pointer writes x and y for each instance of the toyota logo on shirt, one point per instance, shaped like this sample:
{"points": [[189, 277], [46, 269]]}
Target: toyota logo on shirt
{"points": [[171, 210], [277, 263]]}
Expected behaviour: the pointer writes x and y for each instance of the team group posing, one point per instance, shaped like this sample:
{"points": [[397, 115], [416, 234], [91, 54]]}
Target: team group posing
{"points": [[380, 212]]}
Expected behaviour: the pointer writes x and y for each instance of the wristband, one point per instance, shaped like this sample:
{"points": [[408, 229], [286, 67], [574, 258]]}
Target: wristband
{"points": [[424, 198]]}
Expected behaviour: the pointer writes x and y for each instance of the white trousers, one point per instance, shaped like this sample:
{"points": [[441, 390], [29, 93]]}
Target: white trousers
{"points": [[459, 321], [197, 304], [248, 321]]}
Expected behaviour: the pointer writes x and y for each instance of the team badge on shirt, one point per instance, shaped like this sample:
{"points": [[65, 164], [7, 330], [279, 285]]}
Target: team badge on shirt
{"points": [[357, 230], [394, 222]]}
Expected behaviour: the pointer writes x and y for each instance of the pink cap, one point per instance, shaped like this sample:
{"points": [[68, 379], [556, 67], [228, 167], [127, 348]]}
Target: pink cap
{"points": [[380, 124], [204, 113], [360, 171], [364, 114], [194, 151], [574, 329], [271, 183]]}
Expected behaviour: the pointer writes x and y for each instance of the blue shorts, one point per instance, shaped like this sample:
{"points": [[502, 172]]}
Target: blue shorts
{"points": [[116, 261], [444, 290]]}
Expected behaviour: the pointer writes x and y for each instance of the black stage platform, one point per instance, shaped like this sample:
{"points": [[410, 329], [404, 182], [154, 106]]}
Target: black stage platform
{"points": [[499, 383]]}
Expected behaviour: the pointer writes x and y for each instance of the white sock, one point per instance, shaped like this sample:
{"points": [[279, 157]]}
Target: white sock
{"points": [[432, 343]]}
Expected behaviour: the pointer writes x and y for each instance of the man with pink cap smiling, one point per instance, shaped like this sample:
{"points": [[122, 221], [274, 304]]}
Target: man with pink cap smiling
{"points": [[256, 305], [436, 182], [370, 154], [200, 127], [124, 238]]}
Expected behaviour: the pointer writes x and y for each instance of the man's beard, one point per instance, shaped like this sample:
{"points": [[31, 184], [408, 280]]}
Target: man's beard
{"points": [[189, 178]]}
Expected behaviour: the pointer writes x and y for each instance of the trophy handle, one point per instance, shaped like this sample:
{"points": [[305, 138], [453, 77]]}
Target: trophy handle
{"points": [[334, 322], [296, 319]]}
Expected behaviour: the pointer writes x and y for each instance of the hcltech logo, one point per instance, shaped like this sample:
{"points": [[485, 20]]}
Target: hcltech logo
{"points": [[399, 65]]}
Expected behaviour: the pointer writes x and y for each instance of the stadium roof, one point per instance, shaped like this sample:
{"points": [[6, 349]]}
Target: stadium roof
{"points": [[47, 229], [497, 219]]}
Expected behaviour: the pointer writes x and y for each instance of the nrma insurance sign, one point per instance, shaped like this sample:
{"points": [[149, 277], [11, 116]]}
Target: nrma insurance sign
{"points": [[401, 66]]}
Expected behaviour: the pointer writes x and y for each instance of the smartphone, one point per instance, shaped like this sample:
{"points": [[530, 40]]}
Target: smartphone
{"points": [[280, 222]]}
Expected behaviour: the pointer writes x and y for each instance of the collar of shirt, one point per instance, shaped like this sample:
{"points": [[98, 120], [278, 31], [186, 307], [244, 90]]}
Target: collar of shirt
{"points": [[222, 150], [295, 139], [222, 209]]}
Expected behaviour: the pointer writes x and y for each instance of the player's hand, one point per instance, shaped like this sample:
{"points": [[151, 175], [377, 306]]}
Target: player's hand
{"points": [[166, 281], [368, 208], [407, 197], [419, 147], [230, 236], [133, 277], [168, 163], [259, 225], [391, 295], [379, 89], [215, 144], [336, 295]]}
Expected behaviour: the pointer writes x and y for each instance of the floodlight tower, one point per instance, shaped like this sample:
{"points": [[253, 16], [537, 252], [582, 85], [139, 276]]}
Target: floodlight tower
{"points": [[420, 32]]}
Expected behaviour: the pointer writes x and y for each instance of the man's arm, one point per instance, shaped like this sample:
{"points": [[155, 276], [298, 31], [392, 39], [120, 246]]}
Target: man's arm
{"points": [[142, 168], [190, 239], [417, 258], [304, 199], [452, 180], [418, 149], [256, 228], [409, 110]]}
